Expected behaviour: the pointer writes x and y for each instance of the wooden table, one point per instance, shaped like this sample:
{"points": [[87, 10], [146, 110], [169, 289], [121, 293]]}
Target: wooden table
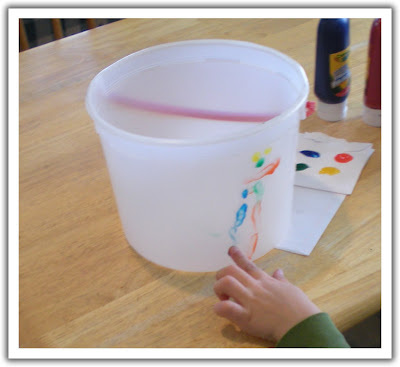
{"points": [[82, 285]]}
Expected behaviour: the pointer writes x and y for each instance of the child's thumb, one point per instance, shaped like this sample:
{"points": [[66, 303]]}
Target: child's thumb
{"points": [[278, 274]]}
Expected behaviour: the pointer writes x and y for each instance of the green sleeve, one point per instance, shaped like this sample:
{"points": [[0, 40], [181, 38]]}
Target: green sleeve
{"points": [[316, 331]]}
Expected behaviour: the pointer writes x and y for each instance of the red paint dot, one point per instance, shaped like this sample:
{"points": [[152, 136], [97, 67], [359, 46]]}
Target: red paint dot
{"points": [[343, 158]]}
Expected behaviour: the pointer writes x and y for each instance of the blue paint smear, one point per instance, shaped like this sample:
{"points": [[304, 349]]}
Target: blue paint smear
{"points": [[245, 193], [232, 234], [310, 153], [240, 215]]}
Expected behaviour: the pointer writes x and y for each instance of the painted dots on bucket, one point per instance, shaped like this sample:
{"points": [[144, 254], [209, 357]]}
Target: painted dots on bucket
{"points": [[256, 157], [258, 190], [260, 162]]}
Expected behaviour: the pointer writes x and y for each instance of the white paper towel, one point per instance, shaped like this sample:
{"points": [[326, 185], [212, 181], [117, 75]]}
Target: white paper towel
{"points": [[321, 185]]}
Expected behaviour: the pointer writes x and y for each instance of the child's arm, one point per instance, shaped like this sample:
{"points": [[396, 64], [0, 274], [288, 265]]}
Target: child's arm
{"points": [[263, 305], [316, 331]]}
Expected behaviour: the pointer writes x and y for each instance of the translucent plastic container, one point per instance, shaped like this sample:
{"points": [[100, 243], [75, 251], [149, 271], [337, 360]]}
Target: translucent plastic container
{"points": [[188, 188]]}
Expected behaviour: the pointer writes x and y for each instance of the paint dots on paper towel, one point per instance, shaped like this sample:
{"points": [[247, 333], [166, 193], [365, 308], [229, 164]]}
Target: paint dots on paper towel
{"points": [[343, 158], [329, 171], [310, 153], [301, 166]]}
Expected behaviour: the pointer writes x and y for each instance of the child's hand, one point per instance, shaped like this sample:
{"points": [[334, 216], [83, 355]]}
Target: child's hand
{"points": [[261, 305]]}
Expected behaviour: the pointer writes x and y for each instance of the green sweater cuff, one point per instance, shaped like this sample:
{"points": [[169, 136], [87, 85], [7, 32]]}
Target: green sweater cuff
{"points": [[316, 331]]}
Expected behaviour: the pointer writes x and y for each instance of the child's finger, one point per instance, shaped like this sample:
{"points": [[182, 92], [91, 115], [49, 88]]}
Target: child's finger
{"points": [[244, 263], [231, 311], [223, 297], [278, 274], [236, 272], [230, 287]]}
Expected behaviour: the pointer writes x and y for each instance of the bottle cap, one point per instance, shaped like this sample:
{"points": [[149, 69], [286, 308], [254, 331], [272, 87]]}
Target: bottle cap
{"points": [[332, 111], [372, 116]]}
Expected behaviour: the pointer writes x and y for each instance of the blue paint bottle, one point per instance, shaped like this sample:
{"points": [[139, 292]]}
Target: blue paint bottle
{"points": [[332, 73]]}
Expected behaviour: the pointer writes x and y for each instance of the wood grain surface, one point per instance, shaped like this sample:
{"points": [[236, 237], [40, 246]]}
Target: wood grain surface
{"points": [[82, 285]]}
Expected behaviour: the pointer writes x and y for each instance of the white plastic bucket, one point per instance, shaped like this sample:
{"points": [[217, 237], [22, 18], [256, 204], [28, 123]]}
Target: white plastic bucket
{"points": [[188, 188]]}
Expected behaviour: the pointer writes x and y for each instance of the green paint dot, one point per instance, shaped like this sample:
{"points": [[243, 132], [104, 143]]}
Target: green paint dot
{"points": [[258, 189], [301, 166], [260, 162]]}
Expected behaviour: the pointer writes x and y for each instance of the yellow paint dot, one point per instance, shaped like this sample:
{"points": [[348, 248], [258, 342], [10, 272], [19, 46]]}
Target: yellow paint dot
{"points": [[267, 151], [329, 171], [256, 157]]}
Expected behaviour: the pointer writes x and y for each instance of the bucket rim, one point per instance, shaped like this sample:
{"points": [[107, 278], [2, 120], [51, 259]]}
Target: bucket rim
{"points": [[102, 124]]}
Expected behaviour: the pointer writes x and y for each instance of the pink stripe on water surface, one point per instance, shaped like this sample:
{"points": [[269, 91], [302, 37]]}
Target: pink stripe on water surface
{"points": [[188, 112]]}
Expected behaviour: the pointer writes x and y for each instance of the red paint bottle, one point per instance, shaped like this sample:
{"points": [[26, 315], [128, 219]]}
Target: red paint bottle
{"points": [[372, 93]]}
